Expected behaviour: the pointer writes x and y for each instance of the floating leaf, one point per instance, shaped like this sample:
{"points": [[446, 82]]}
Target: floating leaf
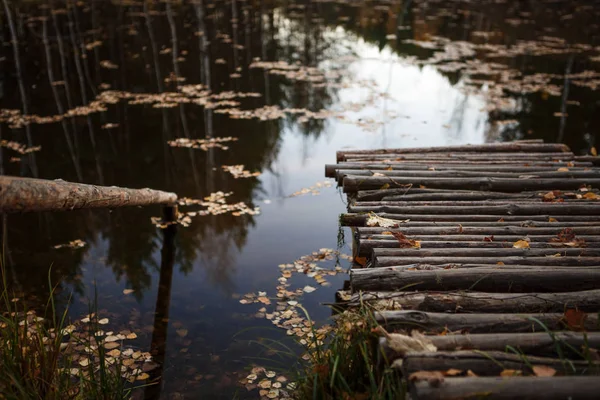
{"points": [[182, 332], [128, 291], [103, 321], [308, 289]]}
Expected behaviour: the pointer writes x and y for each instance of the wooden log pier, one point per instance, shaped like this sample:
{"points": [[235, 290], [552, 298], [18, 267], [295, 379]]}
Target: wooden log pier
{"points": [[492, 252]]}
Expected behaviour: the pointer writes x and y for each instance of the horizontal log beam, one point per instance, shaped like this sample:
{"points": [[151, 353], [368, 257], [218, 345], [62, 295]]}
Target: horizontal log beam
{"points": [[28, 195], [366, 246], [483, 279], [490, 363], [496, 388], [586, 208], [478, 323], [352, 183], [482, 230], [417, 220], [489, 147], [390, 261], [481, 302], [486, 252], [517, 167]]}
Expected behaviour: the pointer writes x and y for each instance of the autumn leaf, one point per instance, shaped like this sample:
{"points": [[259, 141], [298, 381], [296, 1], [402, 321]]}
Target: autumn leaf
{"points": [[593, 151], [511, 372], [563, 169], [499, 263], [488, 238], [549, 196], [552, 219], [471, 374], [460, 228], [453, 372], [543, 370], [386, 186], [501, 220], [591, 196], [575, 319], [362, 261], [404, 241], [521, 244], [435, 378]]}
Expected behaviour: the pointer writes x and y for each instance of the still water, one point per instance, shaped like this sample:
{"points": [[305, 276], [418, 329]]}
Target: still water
{"points": [[103, 87]]}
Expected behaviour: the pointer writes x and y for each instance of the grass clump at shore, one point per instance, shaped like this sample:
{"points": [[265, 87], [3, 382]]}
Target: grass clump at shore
{"points": [[340, 363], [45, 357]]}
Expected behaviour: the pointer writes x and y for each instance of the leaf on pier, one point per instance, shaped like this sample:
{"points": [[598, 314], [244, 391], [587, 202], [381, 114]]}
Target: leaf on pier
{"points": [[575, 319], [552, 219], [549, 196], [543, 370], [404, 241], [567, 238], [591, 196], [453, 372], [563, 169], [434, 378], [375, 220], [360, 260], [511, 372], [521, 244], [488, 238]]}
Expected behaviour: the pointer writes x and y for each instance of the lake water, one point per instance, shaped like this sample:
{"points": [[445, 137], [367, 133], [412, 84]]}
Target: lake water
{"points": [[287, 84]]}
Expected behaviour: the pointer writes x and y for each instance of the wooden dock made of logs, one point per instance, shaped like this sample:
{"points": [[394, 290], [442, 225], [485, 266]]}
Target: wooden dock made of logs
{"points": [[493, 252]]}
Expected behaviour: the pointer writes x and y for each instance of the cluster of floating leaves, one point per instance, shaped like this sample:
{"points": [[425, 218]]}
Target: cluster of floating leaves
{"points": [[286, 312], [202, 144], [85, 344], [270, 384], [314, 190], [19, 147], [238, 171], [215, 204]]}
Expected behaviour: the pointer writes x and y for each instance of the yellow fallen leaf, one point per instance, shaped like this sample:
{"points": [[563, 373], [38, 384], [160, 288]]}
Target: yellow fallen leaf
{"points": [[182, 332], [521, 244], [563, 169], [543, 370], [143, 376], [591, 196], [128, 291], [552, 219], [593, 151], [511, 372]]}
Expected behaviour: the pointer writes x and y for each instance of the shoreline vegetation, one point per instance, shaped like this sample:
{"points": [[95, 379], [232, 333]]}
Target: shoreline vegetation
{"points": [[45, 355]]}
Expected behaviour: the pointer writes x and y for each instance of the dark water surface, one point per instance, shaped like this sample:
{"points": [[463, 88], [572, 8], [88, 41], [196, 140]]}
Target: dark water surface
{"points": [[346, 75]]}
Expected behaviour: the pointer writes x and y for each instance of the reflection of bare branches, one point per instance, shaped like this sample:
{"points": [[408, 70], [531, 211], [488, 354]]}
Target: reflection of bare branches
{"points": [[17, 59], [58, 102], [565, 97], [82, 88]]}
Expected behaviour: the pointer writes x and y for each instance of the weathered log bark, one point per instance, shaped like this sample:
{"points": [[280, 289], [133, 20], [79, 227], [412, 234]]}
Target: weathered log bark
{"points": [[534, 239], [483, 230], [518, 167], [492, 363], [440, 267], [366, 246], [588, 208], [489, 147], [593, 159], [464, 301], [385, 261], [418, 194], [552, 156], [478, 323], [483, 279], [353, 183], [353, 219], [360, 220], [26, 194], [523, 388], [486, 252]]}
